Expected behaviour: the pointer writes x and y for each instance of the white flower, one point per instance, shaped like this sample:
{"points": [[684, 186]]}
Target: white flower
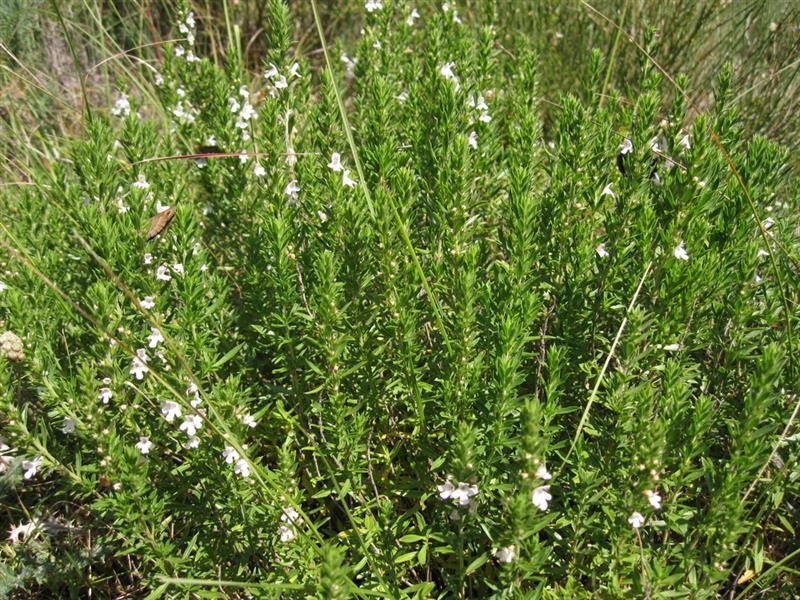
{"points": [[122, 107], [460, 494], [159, 79], [402, 96], [768, 223], [144, 444], [294, 70], [68, 426], [22, 532], [412, 17], [230, 455], [179, 51], [540, 497], [122, 207], [178, 268], [148, 258], [191, 424], [672, 347], [322, 216], [346, 180], [685, 142], [607, 191], [193, 391], [249, 420], [5, 459], [287, 533], [446, 71], [291, 156], [243, 158], [373, 5], [155, 337], [336, 162], [3, 287], [485, 117], [170, 410], [543, 473], [242, 467], [281, 83], [636, 520], [105, 393], [259, 170], [507, 554], [626, 147], [472, 140], [162, 273], [601, 250], [161, 207], [290, 515], [653, 143], [31, 467], [139, 366], [147, 302], [291, 191], [192, 442], [762, 253], [141, 182], [271, 73], [680, 252], [654, 498]]}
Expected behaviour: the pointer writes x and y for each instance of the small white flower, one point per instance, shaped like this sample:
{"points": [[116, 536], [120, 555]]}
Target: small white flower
{"points": [[654, 498], [322, 216], [148, 258], [147, 302], [762, 253], [626, 147], [402, 96], [191, 424], [653, 143], [346, 180], [179, 51], [68, 426], [230, 455], [472, 140], [105, 394], [280, 83], [485, 118], [291, 191], [446, 71], [336, 162], [349, 65], [159, 79], [193, 391], [23, 531], [672, 347], [680, 252], [31, 467], [155, 337], [249, 420], [144, 444], [540, 497], [272, 72], [287, 533], [607, 191], [685, 142], [161, 207], [291, 156], [601, 250], [3, 287], [141, 182], [243, 158], [242, 467], [192, 442], [294, 70], [122, 107], [507, 554], [543, 473], [636, 520], [259, 170], [162, 273], [412, 17], [178, 268], [460, 494], [768, 223], [373, 5], [139, 366], [170, 410]]}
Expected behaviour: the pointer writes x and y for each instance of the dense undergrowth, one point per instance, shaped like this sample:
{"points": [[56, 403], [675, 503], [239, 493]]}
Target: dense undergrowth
{"points": [[443, 354]]}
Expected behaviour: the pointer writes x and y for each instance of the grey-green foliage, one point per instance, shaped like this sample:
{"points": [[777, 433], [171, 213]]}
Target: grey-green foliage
{"points": [[373, 398]]}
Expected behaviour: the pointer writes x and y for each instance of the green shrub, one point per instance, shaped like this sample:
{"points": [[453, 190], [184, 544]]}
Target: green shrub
{"points": [[471, 359]]}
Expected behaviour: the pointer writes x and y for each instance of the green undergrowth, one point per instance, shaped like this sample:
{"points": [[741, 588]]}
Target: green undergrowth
{"points": [[472, 359]]}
